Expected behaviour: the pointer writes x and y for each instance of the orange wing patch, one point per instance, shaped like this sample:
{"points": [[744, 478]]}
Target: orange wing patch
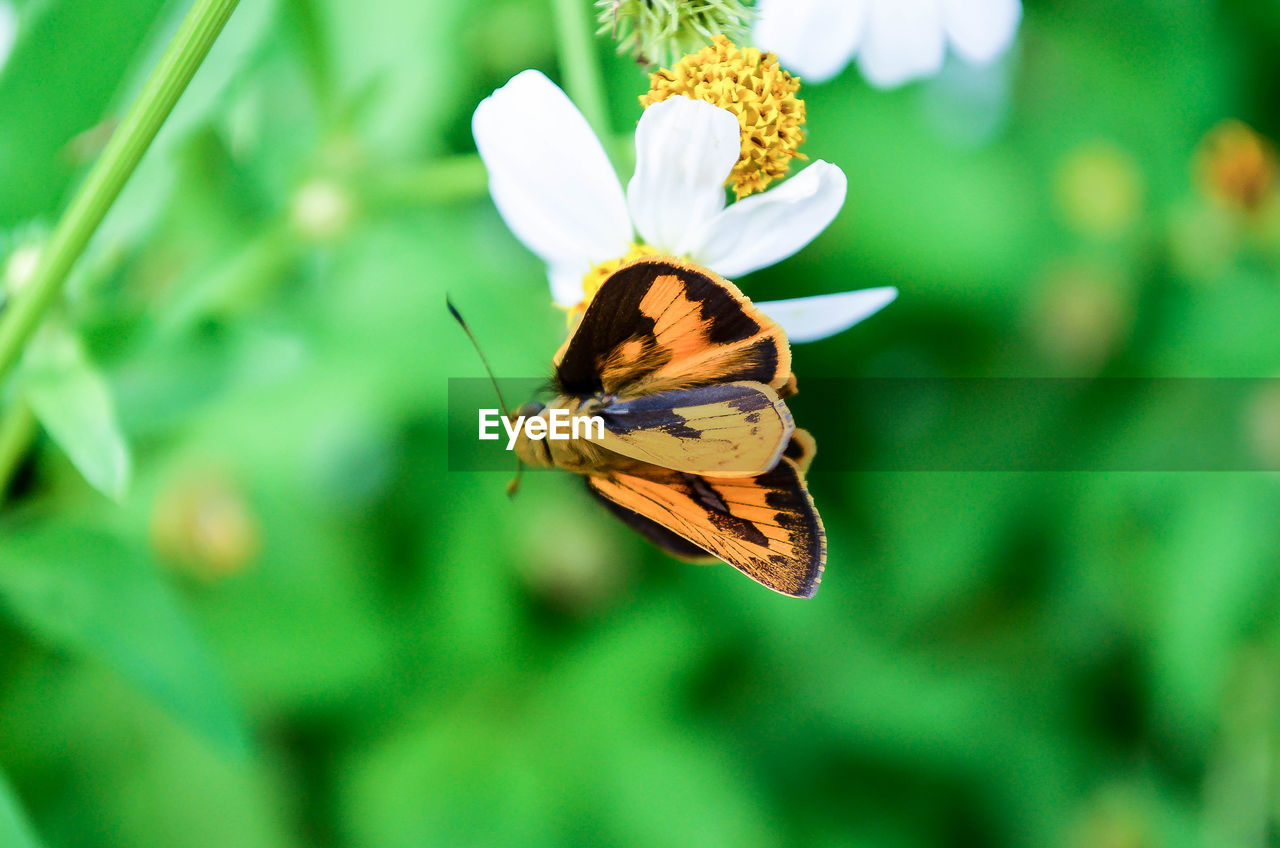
{"points": [[764, 526], [661, 324], [671, 543]]}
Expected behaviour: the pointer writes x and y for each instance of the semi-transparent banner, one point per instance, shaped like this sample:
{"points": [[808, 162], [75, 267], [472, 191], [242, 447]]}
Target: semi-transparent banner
{"points": [[975, 424]]}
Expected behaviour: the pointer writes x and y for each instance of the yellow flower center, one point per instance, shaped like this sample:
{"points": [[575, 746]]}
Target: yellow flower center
{"points": [[594, 279], [751, 85]]}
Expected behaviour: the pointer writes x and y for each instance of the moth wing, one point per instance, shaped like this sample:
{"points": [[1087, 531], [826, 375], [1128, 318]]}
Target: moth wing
{"points": [[723, 430], [764, 526], [662, 324], [671, 543], [801, 450]]}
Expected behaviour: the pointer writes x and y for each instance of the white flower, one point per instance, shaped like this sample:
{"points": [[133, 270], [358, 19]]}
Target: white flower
{"points": [[895, 40], [8, 30], [554, 187]]}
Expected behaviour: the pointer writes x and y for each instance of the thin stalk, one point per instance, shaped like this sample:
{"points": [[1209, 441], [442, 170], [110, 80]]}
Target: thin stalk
{"points": [[575, 38], [109, 174]]}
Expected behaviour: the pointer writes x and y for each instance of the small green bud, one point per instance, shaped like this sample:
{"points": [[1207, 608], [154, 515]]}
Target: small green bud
{"points": [[322, 210], [657, 32]]}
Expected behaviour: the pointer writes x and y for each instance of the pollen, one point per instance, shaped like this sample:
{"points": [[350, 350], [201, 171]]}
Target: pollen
{"points": [[594, 279], [750, 84]]}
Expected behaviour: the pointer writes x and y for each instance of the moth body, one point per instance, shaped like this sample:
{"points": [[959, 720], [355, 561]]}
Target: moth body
{"points": [[580, 455]]}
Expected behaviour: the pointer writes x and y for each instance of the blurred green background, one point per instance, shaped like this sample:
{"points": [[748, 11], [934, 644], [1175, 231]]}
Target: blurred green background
{"points": [[297, 628]]}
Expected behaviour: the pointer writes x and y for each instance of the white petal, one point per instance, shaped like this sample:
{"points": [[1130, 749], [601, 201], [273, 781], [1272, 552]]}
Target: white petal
{"points": [[549, 175], [807, 319], [566, 282], [685, 150], [766, 228], [981, 30], [905, 40], [813, 38]]}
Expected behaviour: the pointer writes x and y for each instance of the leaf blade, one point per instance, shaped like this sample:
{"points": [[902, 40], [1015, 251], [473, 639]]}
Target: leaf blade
{"points": [[84, 591], [71, 399], [15, 830]]}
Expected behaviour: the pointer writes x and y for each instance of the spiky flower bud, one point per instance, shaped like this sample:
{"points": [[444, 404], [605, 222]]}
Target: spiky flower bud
{"points": [[656, 32]]}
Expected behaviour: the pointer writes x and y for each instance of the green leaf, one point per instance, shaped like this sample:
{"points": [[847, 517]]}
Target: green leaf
{"points": [[15, 830], [71, 399], [84, 591], [53, 94]]}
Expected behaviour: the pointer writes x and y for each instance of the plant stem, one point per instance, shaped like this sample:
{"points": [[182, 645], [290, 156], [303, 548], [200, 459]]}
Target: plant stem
{"points": [[17, 429], [102, 186], [576, 40]]}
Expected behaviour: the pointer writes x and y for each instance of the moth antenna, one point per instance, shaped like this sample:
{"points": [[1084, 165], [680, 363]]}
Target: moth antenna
{"points": [[453, 310], [514, 485]]}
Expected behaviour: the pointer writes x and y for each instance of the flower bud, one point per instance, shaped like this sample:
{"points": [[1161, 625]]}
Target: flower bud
{"points": [[572, 579], [322, 210], [1081, 317], [1237, 167], [203, 526], [20, 267], [1099, 190], [655, 32]]}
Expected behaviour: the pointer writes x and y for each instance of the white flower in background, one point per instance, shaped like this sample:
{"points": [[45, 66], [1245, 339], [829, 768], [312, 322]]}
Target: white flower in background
{"points": [[895, 41], [556, 190], [8, 30]]}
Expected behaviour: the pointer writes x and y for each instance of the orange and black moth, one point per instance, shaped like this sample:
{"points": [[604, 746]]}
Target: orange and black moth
{"points": [[699, 452]]}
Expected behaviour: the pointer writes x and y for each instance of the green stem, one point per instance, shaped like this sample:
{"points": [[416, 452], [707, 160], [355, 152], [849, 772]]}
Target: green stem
{"points": [[102, 186], [17, 429], [578, 61]]}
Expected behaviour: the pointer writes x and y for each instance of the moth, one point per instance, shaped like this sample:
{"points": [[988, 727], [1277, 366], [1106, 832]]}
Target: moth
{"points": [[699, 451]]}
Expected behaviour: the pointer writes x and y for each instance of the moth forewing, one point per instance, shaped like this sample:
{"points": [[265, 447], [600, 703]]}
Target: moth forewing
{"points": [[587, 428], [737, 429], [662, 324]]}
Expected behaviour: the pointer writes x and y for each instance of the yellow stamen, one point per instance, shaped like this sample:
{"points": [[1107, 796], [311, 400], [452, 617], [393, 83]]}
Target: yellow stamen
{"points": [[752, 86]]}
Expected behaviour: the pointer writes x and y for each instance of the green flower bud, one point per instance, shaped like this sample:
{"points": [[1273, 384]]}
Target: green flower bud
{"points": [[656, 32]]}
